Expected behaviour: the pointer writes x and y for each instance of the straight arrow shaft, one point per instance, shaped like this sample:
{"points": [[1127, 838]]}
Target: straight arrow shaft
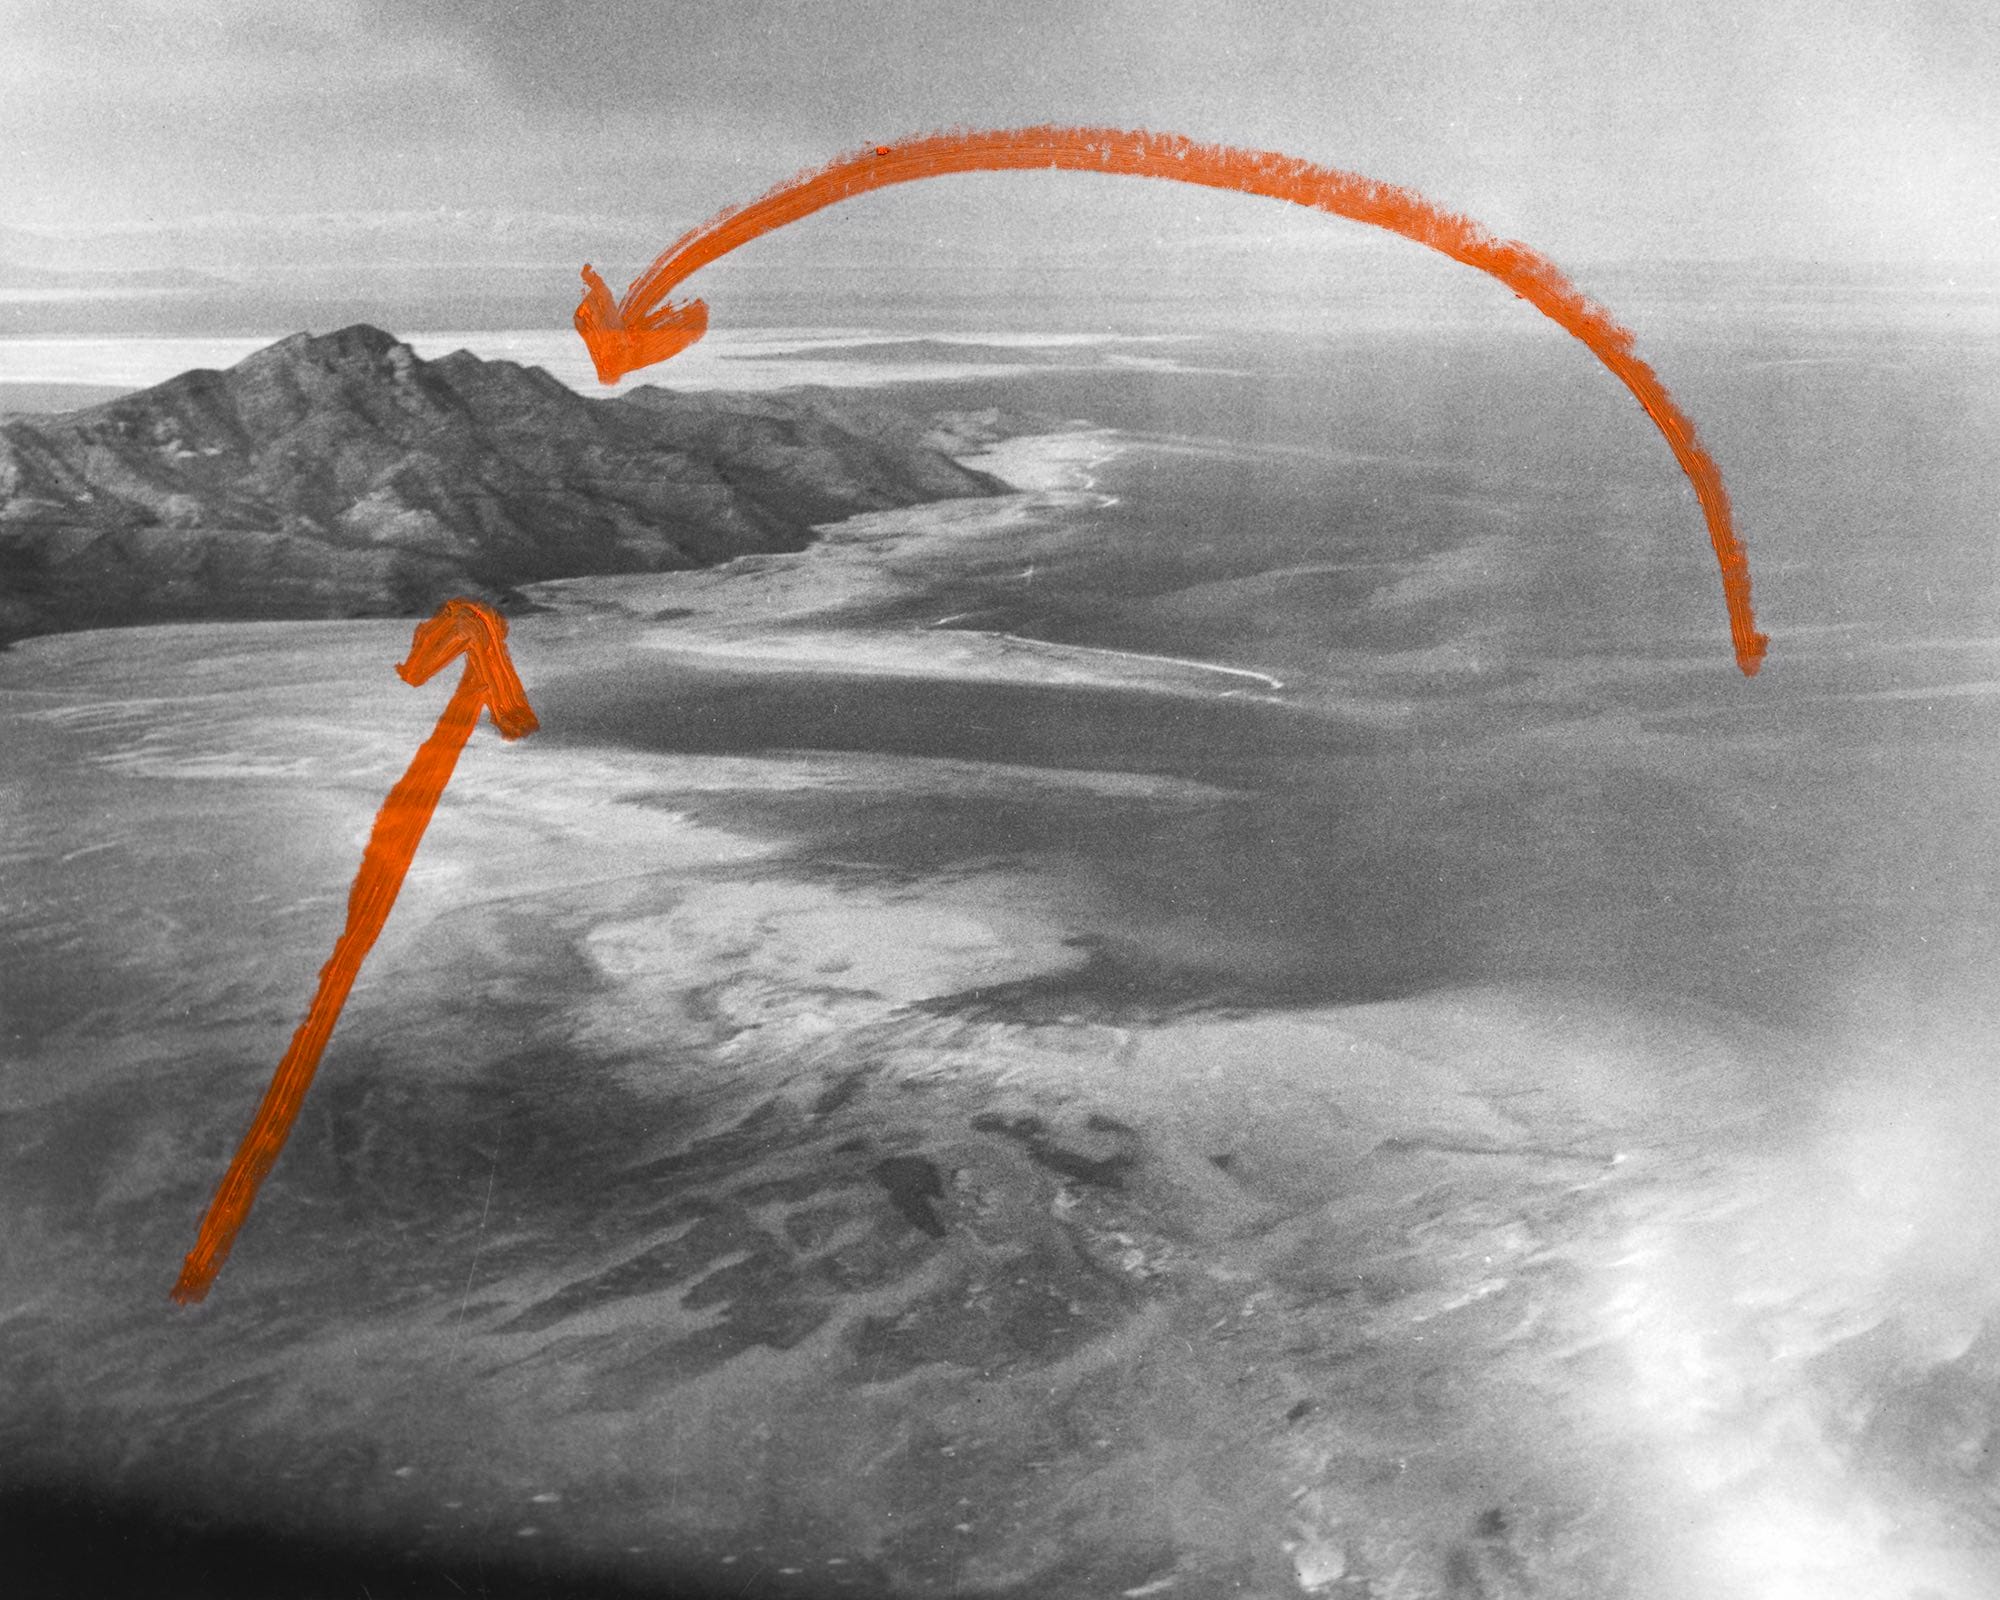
{"points": [[392, 845]]}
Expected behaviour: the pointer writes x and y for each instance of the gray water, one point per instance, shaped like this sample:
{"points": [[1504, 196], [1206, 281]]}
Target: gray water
{"points": [[1511, 742], [1510, 748]]}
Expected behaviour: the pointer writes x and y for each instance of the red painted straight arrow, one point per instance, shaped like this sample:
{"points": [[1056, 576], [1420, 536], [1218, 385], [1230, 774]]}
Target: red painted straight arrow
{"points": [[645, 326], [489, 683]]}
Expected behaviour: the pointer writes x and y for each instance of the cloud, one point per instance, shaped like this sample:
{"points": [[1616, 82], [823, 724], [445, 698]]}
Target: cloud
{"points": [[1814, 130], [238, 54]]}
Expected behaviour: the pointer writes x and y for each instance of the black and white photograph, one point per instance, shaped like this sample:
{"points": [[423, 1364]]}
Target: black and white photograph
{"points": [[901, 801]]}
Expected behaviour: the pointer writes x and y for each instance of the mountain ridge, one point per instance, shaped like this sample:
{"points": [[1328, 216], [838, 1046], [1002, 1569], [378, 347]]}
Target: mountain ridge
{"points": [[341, 474]]}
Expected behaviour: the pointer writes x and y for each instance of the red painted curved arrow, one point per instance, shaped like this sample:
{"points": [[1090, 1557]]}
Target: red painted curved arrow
{"points": [[645, 327], [489, 683]]}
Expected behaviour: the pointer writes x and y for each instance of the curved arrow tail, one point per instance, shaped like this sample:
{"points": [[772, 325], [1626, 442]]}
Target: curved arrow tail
{"points": [[644, 327], [489, 681]]}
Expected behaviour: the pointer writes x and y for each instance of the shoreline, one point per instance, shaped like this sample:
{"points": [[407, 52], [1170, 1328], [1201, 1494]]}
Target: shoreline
{"points": [[756, 612], [596, 1188]]}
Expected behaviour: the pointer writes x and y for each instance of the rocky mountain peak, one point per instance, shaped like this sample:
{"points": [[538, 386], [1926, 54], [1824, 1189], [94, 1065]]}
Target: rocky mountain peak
{"points": [[340, 474], [360, 341]]}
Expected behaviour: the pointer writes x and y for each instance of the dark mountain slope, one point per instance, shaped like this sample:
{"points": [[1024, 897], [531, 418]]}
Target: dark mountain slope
{"points": [[344, 476]]}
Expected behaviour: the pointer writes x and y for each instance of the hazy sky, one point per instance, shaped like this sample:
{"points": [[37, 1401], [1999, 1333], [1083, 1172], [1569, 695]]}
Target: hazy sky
{"points": [[1807, 129]]}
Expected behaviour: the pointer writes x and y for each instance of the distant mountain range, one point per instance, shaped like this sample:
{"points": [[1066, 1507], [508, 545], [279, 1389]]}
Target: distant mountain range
{"points": [[153, 280], [342, 475]]}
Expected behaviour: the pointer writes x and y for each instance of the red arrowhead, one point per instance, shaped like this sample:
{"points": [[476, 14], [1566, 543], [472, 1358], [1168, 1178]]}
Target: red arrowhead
{"points": [[480, 633], [620, 343], [489, 683]]}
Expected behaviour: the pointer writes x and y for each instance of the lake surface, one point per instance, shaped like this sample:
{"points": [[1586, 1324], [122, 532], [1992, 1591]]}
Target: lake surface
{"points": [[1511, 741], [1283, 1023]]}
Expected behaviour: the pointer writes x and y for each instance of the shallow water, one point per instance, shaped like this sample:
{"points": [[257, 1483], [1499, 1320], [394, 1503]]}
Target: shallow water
{"points": [[858, 1107], [1510, 741]]}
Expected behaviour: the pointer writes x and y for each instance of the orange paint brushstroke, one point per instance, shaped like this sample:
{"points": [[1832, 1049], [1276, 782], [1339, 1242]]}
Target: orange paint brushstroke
{"points": [[645, 327], [489, 683]]}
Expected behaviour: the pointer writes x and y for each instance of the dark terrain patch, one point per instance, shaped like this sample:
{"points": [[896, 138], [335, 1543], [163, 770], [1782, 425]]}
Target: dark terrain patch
{"points": [[1105, 1172], [913, 1184]]}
